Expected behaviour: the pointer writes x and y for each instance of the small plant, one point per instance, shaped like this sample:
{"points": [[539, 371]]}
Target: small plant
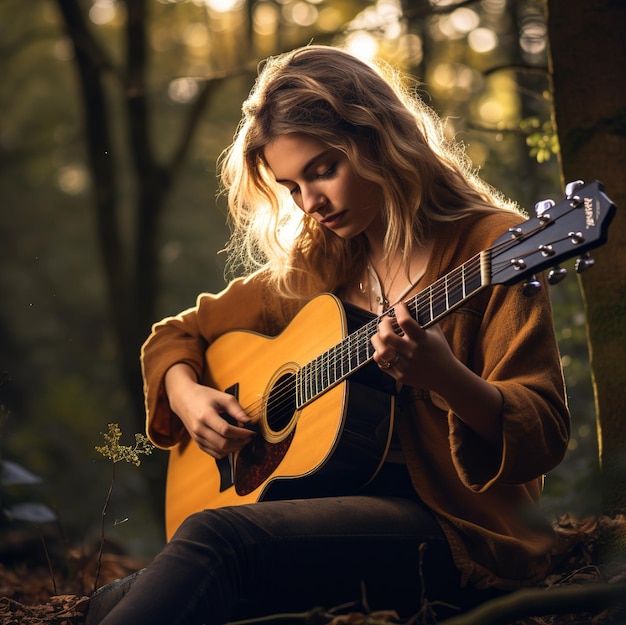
{"points": [[117, 453]]}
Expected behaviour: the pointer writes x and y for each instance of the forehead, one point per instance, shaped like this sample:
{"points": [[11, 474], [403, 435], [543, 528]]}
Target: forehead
{"points": [[290, 155]]}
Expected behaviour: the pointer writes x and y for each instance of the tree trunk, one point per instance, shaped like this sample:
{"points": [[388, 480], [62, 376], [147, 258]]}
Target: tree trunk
{"points": [[588, 49]]}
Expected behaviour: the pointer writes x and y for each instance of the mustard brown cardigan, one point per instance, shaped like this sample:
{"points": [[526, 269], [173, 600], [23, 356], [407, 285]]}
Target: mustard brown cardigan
{"points": [[483, 497]]}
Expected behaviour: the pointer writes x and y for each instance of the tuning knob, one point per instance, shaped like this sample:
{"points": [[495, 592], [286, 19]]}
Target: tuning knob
{"points": [[570, 192], [583, 263], [531, 287], [541, 208], [571, 187], [556, 274]]}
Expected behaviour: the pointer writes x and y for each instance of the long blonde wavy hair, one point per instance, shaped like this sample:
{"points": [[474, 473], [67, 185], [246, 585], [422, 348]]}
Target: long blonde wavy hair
{"points": [[346, 103]]}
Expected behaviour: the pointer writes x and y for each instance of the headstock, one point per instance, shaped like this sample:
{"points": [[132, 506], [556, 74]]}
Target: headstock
{"points": [[571, 228]]}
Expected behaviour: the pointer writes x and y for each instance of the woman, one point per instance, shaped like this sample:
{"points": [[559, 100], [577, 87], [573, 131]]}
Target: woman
{"points": [[340, 181]]}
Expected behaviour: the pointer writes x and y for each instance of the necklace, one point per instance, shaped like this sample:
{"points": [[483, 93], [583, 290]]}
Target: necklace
{"points": [[374, 286], [381, 297]]}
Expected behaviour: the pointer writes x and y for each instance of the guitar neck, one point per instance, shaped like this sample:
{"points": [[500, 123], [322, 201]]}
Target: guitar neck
{"points": [[427, 307], [451, 290]]}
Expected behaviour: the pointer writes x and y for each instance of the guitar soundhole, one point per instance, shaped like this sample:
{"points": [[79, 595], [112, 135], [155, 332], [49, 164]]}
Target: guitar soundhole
{"points": [[281, 403], [258, 460]]}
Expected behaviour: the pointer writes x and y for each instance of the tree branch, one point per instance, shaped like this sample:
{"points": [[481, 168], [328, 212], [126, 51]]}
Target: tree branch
{"points": [[570, 599]]}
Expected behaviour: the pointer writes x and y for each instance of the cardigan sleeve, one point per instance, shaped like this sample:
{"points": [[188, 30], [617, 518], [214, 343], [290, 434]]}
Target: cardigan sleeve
{"points": [[184, 338], [515, 349]]}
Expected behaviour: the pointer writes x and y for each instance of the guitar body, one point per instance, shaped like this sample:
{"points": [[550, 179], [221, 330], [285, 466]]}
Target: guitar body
{"points": [[332, 445]]}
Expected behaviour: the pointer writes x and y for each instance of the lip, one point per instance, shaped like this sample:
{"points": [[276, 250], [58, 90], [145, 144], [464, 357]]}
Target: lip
{"points": [[333, 220]]}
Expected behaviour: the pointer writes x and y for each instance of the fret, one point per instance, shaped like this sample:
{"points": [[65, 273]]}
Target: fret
{"points": [[463, 291], [431, 310], [322, 378], [438, 303], [336, 361], [475, 279], [423, 312], [299, 387], [305, 383], [372, 329], [311, 387], [324, 373], [341, 362], [302, 378], [455, 287], [363, 341], [353, 360]]}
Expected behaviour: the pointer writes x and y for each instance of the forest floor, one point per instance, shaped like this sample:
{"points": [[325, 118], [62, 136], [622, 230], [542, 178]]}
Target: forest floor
{"points": [[50, 591]]}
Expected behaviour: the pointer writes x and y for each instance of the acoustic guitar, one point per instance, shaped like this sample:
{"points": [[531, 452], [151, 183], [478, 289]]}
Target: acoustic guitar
{"points": [[323, 412]]}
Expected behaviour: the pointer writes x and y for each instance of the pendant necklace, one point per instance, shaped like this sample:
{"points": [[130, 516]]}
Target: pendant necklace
{"points": [[373, 285]]}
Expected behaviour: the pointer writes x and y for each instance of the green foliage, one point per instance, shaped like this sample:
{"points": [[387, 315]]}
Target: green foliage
{"points": [[117, 453], [541, 138]]}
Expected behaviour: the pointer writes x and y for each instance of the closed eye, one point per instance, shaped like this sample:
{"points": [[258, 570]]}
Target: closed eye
{"points": [[328, 173]]}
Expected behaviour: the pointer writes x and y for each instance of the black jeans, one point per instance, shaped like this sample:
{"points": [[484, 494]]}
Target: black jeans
{"points": [[284, 556]]}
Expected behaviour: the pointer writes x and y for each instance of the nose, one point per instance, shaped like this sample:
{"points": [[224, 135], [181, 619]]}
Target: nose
{"points": [[312, 199]]}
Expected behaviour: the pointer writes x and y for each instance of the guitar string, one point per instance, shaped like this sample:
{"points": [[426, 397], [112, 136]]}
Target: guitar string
{"points": [[354, 344], [358, 341]]}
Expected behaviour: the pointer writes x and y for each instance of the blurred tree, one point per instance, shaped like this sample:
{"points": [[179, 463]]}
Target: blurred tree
{"points": [[131, 272], [588, 49]]}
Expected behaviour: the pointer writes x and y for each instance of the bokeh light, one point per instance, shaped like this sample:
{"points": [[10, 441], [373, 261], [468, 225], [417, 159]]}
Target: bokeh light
{"points": [[265, 18], [102, 12], [182, 89], [482, 40], [221, 6], [300, 13], [362, 44], [73, 178]]}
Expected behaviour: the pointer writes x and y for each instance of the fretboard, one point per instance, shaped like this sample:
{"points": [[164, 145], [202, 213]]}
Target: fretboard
{"points": [[427, 307]]}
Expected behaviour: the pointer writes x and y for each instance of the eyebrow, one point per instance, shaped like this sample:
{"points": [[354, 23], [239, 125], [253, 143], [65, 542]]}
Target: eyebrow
{"points": [[309, 164]]}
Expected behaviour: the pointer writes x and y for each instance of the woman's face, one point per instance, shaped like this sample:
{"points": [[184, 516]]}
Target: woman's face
{"points": [[325, 186]]}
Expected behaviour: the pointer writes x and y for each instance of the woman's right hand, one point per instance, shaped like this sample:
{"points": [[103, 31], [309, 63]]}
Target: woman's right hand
{"points": [[205, 412]]}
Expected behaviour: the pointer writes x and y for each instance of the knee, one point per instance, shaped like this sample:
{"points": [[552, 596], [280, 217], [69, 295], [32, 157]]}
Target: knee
{"points": [[204, 527], [224, 529]]}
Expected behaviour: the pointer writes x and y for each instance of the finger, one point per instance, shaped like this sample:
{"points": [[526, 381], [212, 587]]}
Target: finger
{"points": [[384, 353], [410, 328], [231, 410], [229, 428], [389, 364], [219, 446], [384, 364]]}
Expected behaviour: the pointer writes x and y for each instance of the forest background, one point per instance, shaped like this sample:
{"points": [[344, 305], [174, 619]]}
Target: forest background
{"points": [[113, 116]]}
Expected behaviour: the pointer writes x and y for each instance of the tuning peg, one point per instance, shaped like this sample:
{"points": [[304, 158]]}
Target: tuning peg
{"points": [[570, 192], [542, 207], [570, 187], [556, 274], [531, 287], [583, 263]]}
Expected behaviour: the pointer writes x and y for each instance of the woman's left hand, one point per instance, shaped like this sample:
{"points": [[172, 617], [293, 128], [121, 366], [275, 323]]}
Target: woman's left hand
{"points": [[412, 355], [423, 359]]}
